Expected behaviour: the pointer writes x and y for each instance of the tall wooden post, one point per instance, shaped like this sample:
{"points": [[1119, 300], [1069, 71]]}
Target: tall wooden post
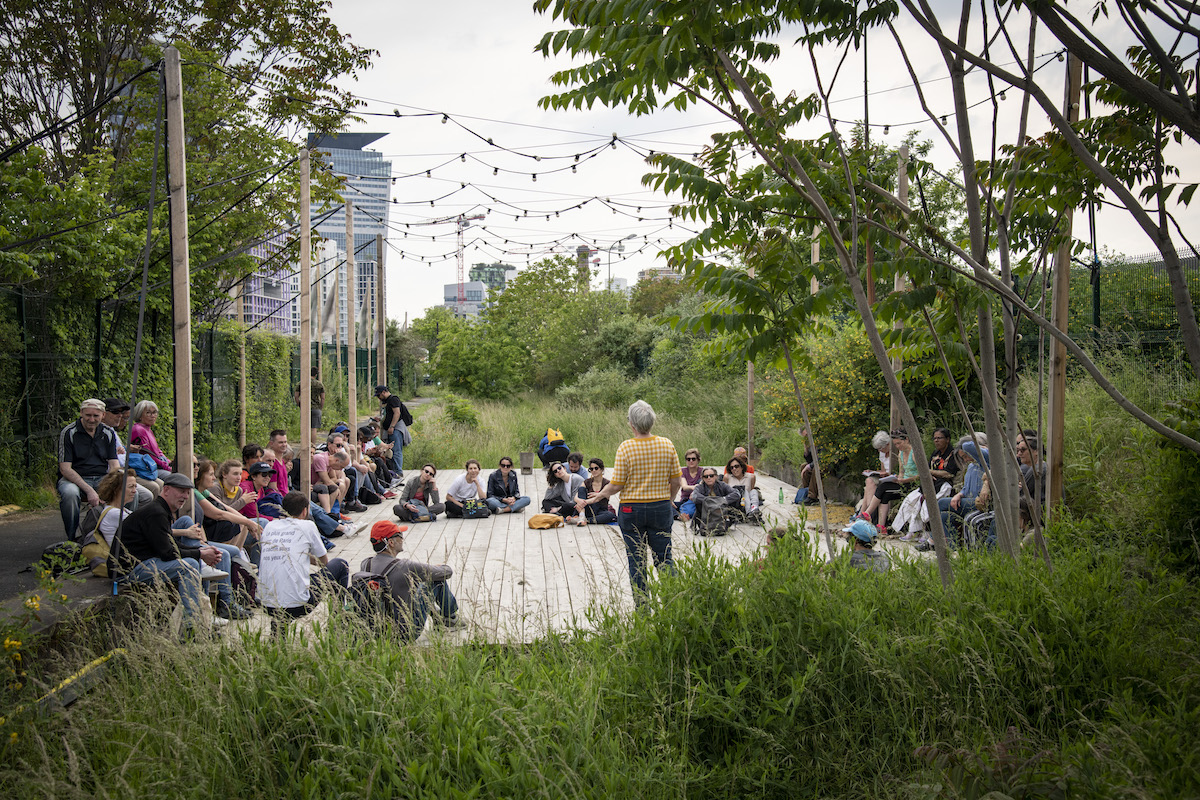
{"points": [[814, 284], [898, 282], [351, 323], [750, 400], [316, 309], [181, 294], [241, 312], [337, 318], [305, 327], [380, 315], [1062, 281]]}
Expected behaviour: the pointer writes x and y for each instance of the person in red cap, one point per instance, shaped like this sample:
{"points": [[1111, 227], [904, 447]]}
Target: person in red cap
{"points": [[416, 589]]}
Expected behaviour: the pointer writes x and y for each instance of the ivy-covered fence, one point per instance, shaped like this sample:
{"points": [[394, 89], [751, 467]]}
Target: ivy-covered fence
{"points": [[54, 353]]}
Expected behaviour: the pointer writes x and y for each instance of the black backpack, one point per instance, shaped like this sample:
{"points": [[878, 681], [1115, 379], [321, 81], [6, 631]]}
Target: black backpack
{"points": [[372, 597], [60, 557], [710, 519]]}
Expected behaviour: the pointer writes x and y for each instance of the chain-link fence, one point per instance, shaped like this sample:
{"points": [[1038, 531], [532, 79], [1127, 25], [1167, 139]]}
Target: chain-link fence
{"points": [[55, 353]]}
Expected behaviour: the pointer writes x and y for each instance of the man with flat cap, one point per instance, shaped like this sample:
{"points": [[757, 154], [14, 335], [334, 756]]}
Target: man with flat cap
{"points": [[147, 552]]}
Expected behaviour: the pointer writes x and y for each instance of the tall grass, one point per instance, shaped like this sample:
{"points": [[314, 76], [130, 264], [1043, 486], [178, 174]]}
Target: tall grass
{"points": [[794, 680], [507, 428]]}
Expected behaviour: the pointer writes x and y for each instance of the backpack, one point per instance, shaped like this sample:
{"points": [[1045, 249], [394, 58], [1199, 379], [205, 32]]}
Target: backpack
{"points": [[143, 465], [546, 521], [95, 549], [556, 448], [372, 597], [476, 509], [62, 557], [710, 519]]}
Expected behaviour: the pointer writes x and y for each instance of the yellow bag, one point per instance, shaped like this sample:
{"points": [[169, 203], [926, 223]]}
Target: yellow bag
{"points": [[544, 521], [95, 549]]}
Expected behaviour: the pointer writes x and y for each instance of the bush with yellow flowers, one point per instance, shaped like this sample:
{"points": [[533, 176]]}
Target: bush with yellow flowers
{"points": [[845, 393]]}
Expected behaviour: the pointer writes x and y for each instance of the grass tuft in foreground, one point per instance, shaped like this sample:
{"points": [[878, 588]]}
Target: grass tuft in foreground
{"points": [[793, 680]]}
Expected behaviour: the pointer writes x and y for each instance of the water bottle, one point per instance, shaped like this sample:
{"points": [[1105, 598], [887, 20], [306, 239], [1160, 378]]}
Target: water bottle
{"points": [[780, 495]]}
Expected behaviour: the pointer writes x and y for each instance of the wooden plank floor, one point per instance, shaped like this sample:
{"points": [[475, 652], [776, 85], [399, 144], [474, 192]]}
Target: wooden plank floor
{"points": [[515, 584]]}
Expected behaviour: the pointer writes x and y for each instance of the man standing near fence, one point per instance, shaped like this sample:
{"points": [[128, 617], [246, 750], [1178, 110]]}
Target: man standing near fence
{"points": [[394, 420], [87, 451], [646, 472]]}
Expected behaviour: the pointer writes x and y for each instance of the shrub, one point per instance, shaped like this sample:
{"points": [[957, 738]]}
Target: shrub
{"points": [[598, 388], [459, 411]]}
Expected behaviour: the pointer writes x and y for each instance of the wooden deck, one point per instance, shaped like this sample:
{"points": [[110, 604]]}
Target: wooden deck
{"points": [[515, 584]]}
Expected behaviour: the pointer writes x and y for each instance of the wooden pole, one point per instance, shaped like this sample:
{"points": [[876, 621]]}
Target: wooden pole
{"points": [[898, 284], [351, 323], [181, 295], [1061, 292], [815, 285], [380, 316], [318, 316], [305, 327], [241, 311], [750, 400], [337, 319]]}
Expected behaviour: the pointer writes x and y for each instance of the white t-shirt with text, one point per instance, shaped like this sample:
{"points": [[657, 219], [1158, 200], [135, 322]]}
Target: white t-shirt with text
{"points": [[283, 573]]}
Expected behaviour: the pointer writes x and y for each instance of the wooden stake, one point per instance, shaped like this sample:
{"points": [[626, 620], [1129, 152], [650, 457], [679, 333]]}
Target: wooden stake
{"points": [[1061, 292], [305, 327], [241, 311], [181, 295], [351, 323], [898, 284], [380, 316], [750, 401]]}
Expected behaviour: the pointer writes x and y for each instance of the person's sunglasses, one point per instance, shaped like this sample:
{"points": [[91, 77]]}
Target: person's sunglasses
{"points": [[507, 466], [692, 458], [593, 469], [709, 475], [427, 472]]}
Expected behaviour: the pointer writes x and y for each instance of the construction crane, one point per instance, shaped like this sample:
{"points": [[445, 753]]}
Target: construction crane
{"points": [[461, 222]]}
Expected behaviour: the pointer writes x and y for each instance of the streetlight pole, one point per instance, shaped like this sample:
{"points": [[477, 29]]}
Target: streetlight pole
{"points": [[620, 248]]}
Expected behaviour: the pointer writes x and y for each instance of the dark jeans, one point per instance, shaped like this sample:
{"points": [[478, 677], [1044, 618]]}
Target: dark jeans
{"points": [[597, 514], [334, 575], [646, 525]]}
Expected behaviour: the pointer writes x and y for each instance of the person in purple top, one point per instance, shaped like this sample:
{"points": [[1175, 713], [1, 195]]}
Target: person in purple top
{"points": [[145, 414]]}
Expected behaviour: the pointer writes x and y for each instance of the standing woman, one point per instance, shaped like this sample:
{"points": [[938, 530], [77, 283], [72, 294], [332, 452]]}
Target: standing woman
{"points": [[562, 496], [468, 486], [144, 415], [596, 511]]}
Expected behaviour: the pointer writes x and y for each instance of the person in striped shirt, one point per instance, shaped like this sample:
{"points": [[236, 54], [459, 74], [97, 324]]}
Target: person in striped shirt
{"points": [[646, 473]]}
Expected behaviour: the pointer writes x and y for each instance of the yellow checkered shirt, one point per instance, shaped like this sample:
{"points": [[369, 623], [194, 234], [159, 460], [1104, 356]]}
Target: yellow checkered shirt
{"points": [[644, 469]]}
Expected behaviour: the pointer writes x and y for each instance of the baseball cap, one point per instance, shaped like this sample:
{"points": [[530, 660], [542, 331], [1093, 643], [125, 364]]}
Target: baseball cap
{"points": [[115, 405], [260, 468], [862, 530], [385, 529], [92, 402], [179, 481], [379, 389]]}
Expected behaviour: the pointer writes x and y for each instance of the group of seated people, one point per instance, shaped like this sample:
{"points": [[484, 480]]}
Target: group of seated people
{"points": [[966, 514], [737, 485]]}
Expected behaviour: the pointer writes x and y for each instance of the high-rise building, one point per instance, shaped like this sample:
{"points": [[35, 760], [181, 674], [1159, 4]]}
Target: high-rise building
{"points": [[656, 273], [475, 298], [267, 291], [493, 276], [368, 187]]}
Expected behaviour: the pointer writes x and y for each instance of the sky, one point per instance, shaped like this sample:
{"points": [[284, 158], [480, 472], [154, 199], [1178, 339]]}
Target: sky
{"points": [[474, 61]]}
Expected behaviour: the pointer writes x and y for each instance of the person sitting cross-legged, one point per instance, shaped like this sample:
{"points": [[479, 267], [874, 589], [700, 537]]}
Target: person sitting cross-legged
{"points": [[416, 590], [420, 501], [596, 512], [285, 587], [562, 493], [465, 488], [504, 491]]}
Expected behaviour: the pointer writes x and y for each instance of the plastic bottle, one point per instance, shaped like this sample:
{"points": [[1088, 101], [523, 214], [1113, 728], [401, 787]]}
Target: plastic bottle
{"points": [[780, 495]]}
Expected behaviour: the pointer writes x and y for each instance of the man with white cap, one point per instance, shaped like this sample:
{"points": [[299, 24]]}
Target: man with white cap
{"points": [[865, 556], [87, 451], [146, 552]]}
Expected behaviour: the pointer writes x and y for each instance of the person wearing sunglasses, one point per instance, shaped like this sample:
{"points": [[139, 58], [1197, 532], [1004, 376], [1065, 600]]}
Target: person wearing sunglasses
{"points": [[420, 497], [685, 508], [503, 491], [744, 482], [562, 493], [711, 485], [597, 512]]}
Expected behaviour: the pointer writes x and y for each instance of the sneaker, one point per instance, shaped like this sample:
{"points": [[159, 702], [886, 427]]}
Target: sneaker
{"points": [[348, 529], [455, 624], [207, 572], [219, 622], [909, 537], [228, 611], [355, 507], [344, 517]]}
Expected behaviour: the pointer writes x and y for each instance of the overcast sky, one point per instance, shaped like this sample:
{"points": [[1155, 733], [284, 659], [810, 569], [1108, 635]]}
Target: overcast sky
{"points": [[475, 61]]}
